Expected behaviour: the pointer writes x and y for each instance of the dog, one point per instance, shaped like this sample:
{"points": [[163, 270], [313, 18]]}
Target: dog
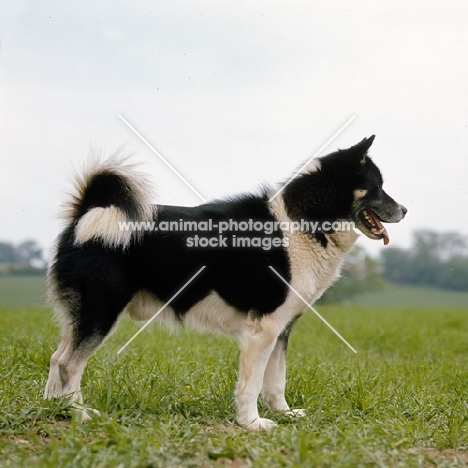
{"points": [[102, 269]]}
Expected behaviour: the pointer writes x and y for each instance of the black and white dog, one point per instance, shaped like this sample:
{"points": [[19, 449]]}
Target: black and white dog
{"points": [[104, 265]]}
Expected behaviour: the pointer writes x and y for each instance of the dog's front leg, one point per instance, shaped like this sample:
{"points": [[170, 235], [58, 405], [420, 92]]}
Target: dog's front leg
{"points": [[274, 380], [256, 344]]}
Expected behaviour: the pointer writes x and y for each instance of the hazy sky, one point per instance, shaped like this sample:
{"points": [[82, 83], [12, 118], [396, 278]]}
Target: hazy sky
{"points": [[233, 94]]}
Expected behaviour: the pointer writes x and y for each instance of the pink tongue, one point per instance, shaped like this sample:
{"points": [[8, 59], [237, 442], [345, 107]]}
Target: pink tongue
{"points": [[384, 233], [380, 228]]}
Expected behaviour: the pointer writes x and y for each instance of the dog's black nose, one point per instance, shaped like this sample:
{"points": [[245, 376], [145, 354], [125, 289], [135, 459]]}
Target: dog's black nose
{"points": [[404, 210]]}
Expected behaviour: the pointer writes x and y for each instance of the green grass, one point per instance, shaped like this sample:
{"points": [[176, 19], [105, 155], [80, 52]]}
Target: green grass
{"points": [[22, 291], [167, 401], [408, 296]]}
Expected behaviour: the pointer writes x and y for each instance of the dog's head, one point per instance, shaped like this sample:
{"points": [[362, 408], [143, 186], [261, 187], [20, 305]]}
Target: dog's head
{"points": [[345, 185], [371, 206]]}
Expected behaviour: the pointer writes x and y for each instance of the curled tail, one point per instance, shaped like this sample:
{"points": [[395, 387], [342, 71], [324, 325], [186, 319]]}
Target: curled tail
{"points": [[106, 196]]}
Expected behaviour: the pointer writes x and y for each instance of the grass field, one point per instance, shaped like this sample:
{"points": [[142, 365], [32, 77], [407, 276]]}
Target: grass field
{"points": [[167, 401], [22, 291], [407, 296]]}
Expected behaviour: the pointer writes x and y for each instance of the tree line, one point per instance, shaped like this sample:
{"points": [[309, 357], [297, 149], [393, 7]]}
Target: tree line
{"points": [[24, 259], [435, 259]]}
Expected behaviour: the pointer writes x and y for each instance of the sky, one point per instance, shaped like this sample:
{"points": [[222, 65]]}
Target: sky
{"points": [[233, 94]]}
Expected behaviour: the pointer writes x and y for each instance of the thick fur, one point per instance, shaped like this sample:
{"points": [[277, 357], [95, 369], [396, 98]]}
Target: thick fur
{"points": [[100, 272]]}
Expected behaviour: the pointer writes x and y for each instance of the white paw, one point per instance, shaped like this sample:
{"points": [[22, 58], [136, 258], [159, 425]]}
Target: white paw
{"points": [[83, 415], [296, 413], [260, 424]]}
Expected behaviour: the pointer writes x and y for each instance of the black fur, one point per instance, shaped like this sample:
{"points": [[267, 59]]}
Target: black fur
{"points": [[327, 194], [106, 279], [283, 338]]}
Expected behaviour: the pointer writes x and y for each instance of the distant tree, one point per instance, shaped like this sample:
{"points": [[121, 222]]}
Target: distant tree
{"points": [[24, 259], [439, 245], [395, 264], [435, 259], [453, 274], [28, 252], [7, 253]]}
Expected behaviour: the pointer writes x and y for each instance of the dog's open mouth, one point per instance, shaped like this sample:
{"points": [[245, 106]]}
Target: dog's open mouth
{"points": [[373, 223]]}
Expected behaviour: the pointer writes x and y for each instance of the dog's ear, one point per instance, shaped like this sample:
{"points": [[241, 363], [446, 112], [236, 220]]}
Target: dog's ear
{"points": [[364, 145], [360, 150]]}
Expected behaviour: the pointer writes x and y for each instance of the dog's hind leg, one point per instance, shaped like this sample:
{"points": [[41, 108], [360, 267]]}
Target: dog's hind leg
{"points": [[82, 334], [66, 372], [274, 380], [54, 387]]}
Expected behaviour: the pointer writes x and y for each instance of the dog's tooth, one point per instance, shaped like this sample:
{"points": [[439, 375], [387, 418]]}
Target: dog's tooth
{"points": [[374, 230]]}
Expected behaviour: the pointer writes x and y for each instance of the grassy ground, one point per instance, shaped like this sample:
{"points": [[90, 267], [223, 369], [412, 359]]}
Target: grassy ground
{"points": [[22, 291], [401, 401], [407, 296]]}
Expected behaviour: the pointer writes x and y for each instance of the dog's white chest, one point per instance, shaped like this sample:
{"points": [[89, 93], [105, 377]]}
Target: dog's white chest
{"points": [[313, 267]]}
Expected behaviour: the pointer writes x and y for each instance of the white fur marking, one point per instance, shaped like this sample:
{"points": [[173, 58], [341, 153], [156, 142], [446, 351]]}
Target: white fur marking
{"points": [[313, 166], [359, 193], [211, 314], [103, 224], [313, 267], [313, 310]]}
